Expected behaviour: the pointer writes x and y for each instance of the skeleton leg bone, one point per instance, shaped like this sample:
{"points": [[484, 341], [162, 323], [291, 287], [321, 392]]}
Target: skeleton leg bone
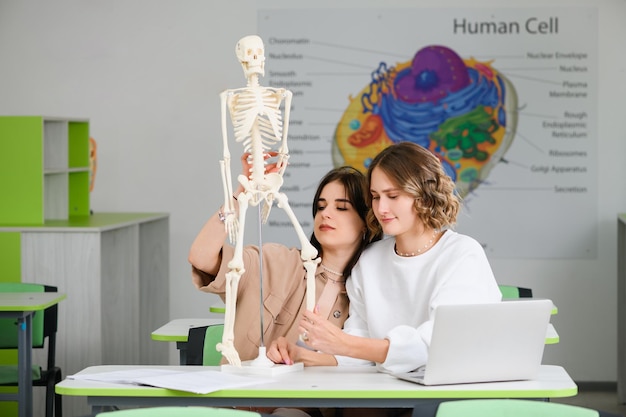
{"points": [[227, 346], [236, 266]]}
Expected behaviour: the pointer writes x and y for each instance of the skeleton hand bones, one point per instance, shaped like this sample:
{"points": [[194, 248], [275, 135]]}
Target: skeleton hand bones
{"points": [[271, 167], [230, 216]]}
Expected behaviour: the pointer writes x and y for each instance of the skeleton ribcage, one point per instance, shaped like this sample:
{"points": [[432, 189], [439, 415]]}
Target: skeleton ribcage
{"points": [[257, 123], [257, 119]]}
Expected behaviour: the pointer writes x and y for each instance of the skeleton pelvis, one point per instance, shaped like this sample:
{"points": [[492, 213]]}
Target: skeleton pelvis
{"points": [[270, 183]]}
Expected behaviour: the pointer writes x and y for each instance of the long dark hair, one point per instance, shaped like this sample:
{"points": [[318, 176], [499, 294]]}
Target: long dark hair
{"points": [[355, 185]]}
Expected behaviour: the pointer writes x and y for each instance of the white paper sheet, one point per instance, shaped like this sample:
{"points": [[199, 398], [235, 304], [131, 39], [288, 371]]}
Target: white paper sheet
{"points": [[198, 382]]}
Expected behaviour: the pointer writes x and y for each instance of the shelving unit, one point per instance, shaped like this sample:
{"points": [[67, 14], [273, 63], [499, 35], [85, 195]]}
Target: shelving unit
{"points": [[114, 267], [44, 169]]}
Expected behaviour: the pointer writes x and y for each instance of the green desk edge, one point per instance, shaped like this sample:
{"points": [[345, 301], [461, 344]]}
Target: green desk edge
{"points": [[36, 307], [309, 394], [169, 338], [217, 309]]}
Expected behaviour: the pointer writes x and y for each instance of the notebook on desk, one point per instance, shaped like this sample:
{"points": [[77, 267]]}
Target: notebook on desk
{"points": [[485, 343]]}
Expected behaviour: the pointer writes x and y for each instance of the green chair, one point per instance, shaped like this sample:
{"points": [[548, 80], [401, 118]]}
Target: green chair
{"points": [[511, 408], [201, 342], [44, 326], [180, 412], [511, 291]]}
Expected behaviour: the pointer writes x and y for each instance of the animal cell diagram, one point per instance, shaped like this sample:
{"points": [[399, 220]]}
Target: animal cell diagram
{"points": [[464, 111]]}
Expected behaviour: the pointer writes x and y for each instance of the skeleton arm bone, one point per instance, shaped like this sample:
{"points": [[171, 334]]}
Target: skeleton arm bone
{"points": [[226, 152], [230, 222], [308, 253], [230, 217], [284, 149], [205, 251]]}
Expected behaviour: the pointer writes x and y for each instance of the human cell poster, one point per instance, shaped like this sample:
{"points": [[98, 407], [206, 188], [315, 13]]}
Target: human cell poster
{"points": [[505, 97]]}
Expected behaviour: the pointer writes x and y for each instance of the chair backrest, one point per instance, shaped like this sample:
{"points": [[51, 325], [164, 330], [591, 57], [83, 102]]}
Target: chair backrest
{"points": [[201, 342], [180, 412], [511, 291], [511, 408], [43, 325]]}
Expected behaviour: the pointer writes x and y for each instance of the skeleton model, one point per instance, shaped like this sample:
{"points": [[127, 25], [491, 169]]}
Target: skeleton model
{"points": [[258, 124]]}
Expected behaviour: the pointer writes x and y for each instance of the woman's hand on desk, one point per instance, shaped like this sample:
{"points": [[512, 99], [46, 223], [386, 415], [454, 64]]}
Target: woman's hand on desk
{"points": [[317, 336], [283, 351]]}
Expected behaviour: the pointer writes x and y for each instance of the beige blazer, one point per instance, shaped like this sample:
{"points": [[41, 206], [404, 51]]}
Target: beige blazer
{"points": [[284, 289]]}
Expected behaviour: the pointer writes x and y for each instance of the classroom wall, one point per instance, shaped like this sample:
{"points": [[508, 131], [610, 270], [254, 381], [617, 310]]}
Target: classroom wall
{"points": [[147, 73]]}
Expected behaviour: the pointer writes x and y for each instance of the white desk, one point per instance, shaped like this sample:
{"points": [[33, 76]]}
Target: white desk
{"points": [[315, 387], [22, 306], [177, 331], [552, 337]]}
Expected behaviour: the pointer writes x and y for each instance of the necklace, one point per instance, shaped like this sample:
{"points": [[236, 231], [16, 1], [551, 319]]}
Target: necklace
{"points": [[426, 246], [339, 274], [334, 281]]}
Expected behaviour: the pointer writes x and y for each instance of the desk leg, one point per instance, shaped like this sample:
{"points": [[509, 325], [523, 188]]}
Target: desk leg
{"points": [[24, 362], [182, 352], [621, 310]]}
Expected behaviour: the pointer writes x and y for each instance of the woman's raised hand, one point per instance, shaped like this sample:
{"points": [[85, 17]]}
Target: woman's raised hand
{"points": [[320, 334]]}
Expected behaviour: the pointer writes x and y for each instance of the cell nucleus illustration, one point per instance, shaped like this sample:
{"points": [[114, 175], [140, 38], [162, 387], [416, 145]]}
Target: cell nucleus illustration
{"points": [[464, 111]]}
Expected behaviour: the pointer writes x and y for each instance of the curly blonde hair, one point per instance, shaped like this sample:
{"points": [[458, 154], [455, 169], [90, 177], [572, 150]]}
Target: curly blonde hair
{"points": [[417, 171]]}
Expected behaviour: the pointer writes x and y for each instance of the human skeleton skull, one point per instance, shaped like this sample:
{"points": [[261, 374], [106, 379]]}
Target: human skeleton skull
{"points": [[251, 54]]}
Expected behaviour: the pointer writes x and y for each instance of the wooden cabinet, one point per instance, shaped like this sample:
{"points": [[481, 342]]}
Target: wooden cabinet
{"points": [[114, 268]]}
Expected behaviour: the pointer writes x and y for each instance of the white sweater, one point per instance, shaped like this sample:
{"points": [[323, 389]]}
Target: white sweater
{"points": [[394, 297]]}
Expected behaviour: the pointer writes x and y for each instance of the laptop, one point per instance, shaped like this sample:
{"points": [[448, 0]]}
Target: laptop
{"points": [[485, 343]]}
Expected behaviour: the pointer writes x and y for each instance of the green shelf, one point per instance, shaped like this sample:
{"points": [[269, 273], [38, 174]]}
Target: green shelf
{"points": [[44, 169]]}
